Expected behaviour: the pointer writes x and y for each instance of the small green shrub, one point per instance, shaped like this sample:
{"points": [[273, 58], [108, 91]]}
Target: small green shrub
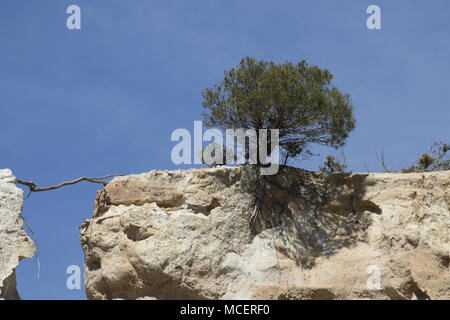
{"points": [[333, 165], [436, 160]]}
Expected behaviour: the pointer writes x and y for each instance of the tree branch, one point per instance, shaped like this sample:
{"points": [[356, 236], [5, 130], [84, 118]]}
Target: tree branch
{"points": [[33, 188]]}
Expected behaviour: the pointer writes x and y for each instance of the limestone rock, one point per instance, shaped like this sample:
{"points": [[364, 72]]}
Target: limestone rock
{"points": [[14, 242], [186, 234]]}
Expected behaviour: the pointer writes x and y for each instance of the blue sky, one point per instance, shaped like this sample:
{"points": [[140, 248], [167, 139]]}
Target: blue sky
{"points": [[105, 99]]}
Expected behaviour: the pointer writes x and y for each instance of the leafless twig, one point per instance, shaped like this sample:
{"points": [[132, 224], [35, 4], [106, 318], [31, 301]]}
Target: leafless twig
{"points": [[365, 166], [380, 158]]}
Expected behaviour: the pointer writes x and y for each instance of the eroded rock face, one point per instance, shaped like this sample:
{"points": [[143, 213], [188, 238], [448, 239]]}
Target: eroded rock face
{"points": [[14, 242], [187, 234]]}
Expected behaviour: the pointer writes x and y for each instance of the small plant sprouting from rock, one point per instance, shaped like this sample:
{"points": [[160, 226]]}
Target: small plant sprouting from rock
{"points": [[426, 160], [335, 165], [437, 159]]}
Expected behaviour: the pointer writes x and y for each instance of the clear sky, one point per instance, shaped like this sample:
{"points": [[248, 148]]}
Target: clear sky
{"points": [[106, 98]]}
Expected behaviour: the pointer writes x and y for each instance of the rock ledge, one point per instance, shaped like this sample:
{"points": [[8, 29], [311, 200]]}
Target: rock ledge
{"points": [[186, 235]]}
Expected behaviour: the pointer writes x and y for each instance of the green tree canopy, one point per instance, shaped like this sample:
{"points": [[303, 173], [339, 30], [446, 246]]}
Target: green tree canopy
{"points": [[298, 99]]}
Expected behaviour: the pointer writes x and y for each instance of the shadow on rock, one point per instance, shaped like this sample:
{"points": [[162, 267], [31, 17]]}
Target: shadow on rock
{"points": [[313, 214]]}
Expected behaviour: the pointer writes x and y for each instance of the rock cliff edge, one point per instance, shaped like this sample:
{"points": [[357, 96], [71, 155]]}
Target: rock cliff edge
{"points": [[187, 235], [14, 242]]}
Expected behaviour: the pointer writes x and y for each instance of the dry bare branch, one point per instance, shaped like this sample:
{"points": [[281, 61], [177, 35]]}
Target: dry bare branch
{"points": [[33, 188], [380, 158]]}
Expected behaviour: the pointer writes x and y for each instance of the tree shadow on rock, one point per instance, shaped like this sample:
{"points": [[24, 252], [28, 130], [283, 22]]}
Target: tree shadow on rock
{"points": [[313, 214]]}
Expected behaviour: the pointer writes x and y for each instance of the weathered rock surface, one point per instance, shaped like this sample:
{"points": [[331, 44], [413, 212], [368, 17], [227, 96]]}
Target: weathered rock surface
{"points": [[186, 234], [14, 242]]}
